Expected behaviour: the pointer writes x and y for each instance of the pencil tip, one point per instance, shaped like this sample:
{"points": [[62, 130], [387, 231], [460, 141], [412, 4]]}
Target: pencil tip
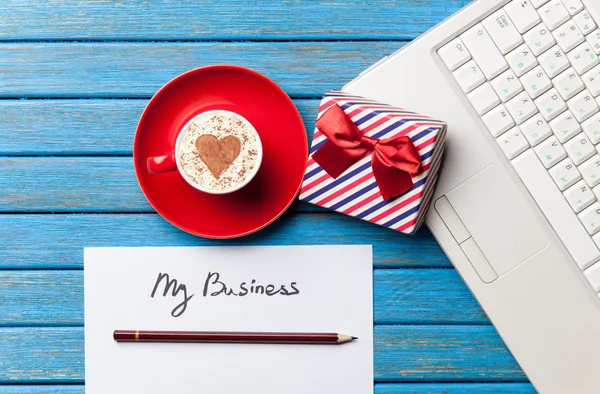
{"points": [[354, 338], [345, 338]]}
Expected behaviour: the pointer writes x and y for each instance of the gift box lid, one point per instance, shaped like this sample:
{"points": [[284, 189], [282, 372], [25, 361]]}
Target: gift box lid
{"points": [[355, 192]]}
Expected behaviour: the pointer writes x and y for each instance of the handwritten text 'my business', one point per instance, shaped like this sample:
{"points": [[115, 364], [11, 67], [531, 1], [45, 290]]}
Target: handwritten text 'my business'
{"points": [[214, 286]]}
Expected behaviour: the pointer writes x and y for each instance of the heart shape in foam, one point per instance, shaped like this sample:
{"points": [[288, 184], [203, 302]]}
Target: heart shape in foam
{"points": [[218, 154]]}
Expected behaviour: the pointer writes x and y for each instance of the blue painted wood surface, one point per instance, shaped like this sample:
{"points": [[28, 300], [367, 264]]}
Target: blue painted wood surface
{"points": [[220, 20], [134, 69], [46, 241], [74, 78]]}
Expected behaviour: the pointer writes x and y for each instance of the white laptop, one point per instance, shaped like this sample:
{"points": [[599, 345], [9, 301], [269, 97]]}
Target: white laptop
{"points": [[517, 207]]}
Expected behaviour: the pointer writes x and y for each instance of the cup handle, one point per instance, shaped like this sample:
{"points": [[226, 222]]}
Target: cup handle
{"points": [[159, 164]]}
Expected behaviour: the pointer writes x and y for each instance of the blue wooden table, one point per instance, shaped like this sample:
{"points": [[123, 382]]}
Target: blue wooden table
{"points": [[74, 78]]}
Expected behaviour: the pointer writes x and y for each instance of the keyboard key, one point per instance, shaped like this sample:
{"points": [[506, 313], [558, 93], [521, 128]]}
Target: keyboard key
{"points": [[484, 51], [550, 152], [573, 6], [523, 15], [484, 98], [521, 60], [538, 3], [592, 274], [554, 14], [592, 128], [594, 41], [554, 61], [565, 174], [592, 81], [583, 58], [565, 126], [539, 39], [580, 148], [521, 107], [551, 104], [556, 210], [580, 196], [590, 170], [507, 85], [568, 36], [536, 130], [585, 22], [454, 54], [469, 76], [536, 82], [513, 143], [498, 121], [590, 218], [503, 31], [583, 105], [568, 84]]}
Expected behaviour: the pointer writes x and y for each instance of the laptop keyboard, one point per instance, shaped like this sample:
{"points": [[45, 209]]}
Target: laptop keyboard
{"points": [[531, 71]]}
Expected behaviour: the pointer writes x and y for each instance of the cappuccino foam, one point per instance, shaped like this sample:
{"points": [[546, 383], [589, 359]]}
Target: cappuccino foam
{"points": [[210, 166]]}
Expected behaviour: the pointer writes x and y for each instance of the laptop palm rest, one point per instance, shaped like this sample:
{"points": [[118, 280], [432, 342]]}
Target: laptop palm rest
{"points": [[502, 232]]}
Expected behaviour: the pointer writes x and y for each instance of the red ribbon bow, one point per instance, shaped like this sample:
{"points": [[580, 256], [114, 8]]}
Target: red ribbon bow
{"points": [[394, 159]]}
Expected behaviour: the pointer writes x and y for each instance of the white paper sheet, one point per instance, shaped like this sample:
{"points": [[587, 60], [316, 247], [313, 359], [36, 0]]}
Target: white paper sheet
{"points": [[335, 294]]}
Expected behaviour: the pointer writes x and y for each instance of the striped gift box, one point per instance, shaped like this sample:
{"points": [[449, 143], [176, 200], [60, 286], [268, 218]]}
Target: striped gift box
{"points": [[355, 192]]}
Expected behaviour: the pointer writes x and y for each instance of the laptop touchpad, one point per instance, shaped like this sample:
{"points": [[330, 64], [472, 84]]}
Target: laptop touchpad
{"points": [[503, 228]]}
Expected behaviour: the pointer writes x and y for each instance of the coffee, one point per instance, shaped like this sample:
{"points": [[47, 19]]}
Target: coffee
{"points": [[219, 151]]}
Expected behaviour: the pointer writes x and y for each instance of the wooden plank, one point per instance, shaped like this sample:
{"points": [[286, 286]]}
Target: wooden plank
{"points": [[303, 69], [402, 353], [442, 353], [453, 388], [41, 298], [41, 355], [70, 184], [189, 20], [32, 241], [73, 127], [417, 296], [381, 388], [424, 296], [85, 127]]}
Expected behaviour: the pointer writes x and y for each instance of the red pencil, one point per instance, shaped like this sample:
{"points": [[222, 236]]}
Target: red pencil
{"points": [[232, 337]]}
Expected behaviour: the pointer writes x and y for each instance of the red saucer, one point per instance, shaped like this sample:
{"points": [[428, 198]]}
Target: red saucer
{"points": [[270, 111]]}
